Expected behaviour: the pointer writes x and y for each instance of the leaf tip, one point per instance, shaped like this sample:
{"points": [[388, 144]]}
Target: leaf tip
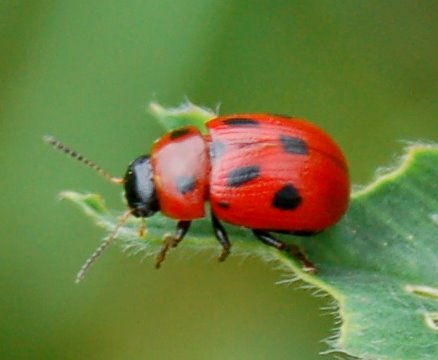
{"points": [[156, 109], [92, 203], [69, 195]]}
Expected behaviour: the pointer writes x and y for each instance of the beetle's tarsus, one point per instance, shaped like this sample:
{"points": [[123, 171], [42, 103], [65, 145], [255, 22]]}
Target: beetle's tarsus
{"points": [[169, 241], [225, 252], [298, 254]]}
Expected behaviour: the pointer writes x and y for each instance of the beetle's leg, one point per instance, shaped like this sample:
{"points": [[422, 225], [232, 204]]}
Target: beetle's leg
{"points": [[222, 237], [294, 250], [172, 240], [142, 227]]}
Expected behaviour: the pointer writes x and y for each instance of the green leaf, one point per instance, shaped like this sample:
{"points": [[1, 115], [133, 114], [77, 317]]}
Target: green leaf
{"points": [[380, 263], [185, 114]]}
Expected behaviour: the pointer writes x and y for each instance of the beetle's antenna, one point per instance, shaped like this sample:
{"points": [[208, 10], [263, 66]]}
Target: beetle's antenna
{"points": [[75, 155], [100, 249]]}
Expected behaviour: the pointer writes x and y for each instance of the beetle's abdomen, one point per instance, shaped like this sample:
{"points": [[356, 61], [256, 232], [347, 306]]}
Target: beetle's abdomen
{"points": [[180, 170], [276, 173]]}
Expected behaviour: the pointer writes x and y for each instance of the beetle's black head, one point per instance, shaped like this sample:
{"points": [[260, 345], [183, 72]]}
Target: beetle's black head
{"points": [[140, 188]]}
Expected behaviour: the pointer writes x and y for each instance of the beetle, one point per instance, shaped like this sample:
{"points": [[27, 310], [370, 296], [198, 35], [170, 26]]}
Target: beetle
{"points": [[268, 173]]}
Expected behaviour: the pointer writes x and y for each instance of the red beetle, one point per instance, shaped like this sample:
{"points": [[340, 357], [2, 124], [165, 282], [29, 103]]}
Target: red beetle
{"points": [[265, 172]]}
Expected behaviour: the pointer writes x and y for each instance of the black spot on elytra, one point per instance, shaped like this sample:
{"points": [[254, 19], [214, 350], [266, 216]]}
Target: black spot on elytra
{"points": [[217, 148], [223, 204], [294, 145], [241, 122], [240, 176], [287, 198], [185, 184], [175, 134]]}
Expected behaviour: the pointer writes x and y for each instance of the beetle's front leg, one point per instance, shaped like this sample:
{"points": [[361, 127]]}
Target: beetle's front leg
{"points": [[172, 240]]}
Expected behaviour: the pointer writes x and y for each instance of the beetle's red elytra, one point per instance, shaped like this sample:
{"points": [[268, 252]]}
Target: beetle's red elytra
{"points": [[267, 173]]}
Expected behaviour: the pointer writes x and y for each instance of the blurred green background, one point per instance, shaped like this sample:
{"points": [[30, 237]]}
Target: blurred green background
{"points": [[366, 71]]}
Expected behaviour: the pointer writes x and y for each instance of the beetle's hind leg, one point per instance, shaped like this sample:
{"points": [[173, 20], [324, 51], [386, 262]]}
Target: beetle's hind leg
{"points": [[294, 250], [172, 240]]}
